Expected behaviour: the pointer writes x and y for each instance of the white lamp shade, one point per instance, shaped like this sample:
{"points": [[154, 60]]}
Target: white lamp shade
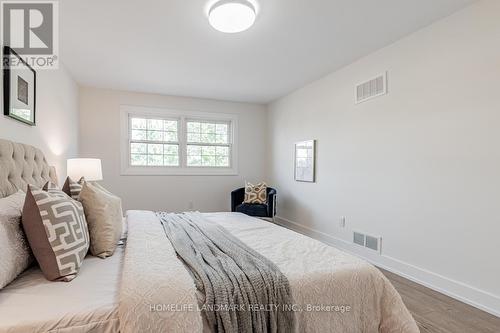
{"points": [[90, 168]]}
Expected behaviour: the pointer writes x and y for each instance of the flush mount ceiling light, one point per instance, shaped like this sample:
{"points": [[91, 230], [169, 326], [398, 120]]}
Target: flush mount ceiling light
{"points": [[232, 16]]}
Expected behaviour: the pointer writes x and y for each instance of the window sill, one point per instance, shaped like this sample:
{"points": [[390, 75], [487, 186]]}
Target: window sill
{"points": [[161, 171]]}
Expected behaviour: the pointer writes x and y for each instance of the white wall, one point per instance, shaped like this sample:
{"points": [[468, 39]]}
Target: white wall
{"points": [[100, 138], [56, 131], [419, 167]]}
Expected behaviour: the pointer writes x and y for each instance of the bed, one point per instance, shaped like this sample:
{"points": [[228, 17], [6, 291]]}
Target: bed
{"points": [[144, 287], [88, 304]]}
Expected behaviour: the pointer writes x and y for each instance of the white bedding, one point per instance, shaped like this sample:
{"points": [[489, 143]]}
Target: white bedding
{"points": [[116, 294], [88, 303], [319, 276]]}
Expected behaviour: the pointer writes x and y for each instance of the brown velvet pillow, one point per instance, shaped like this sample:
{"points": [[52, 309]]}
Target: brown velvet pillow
{"points": [[57, 232]]}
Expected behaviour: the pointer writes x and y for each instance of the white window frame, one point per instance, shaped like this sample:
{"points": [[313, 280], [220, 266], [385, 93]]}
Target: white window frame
{"points": [[128, 111]]}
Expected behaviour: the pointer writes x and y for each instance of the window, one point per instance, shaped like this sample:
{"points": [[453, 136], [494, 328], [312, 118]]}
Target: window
{"points": [[163, 142], [154, 142], [207, 144]]}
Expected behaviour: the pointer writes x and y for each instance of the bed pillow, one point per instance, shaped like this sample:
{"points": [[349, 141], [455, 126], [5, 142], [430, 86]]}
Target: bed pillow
{"points": [[57, 232], [15, 254], [124, 233], [73, 188], [50, 185], [255, 194], [53, 189], [103, 211]]}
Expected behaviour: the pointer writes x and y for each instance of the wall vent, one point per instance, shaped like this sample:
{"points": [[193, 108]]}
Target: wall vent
{"points": [[371, 89], [370, 242], [359, 239]]}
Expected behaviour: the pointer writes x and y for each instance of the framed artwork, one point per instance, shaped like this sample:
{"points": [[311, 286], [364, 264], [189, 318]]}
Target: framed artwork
{"points": [[305, 152], [19, 88]]}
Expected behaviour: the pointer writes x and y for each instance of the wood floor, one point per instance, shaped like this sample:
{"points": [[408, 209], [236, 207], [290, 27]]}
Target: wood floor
{"points": [[437, 313]]}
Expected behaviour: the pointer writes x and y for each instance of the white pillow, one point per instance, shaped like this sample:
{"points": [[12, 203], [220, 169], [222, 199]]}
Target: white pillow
{"points": [[15, 254]]}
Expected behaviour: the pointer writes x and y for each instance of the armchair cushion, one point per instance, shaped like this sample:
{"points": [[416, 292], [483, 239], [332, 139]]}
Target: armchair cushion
{"points": [[267, 209], [259, 210]]}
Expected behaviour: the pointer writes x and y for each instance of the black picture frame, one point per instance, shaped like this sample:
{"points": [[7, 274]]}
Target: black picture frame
{"points": [[7, 89]]}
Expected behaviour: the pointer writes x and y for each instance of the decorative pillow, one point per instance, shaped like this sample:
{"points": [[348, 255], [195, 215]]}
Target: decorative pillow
{"points": [[57, 232], [15, 254], [104, 217], [124, 220], [50, 186], [73, 188], [53, 189], [255, 194], [102, 188]]}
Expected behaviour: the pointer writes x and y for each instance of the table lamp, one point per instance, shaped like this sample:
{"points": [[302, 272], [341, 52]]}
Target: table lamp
{"points": [[89, 168]]}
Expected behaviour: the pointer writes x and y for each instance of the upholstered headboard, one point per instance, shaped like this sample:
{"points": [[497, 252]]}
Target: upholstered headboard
{"points": [[21, 165]]}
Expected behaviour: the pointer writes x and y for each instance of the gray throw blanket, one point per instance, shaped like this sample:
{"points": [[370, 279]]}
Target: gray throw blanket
{"points": [[242, 290]]}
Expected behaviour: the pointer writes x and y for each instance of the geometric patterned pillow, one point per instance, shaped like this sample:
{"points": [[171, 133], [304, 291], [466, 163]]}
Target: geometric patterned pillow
{"points": [[57, 232], [255, 194], [73, 188], [50, 185], [53, 189]]}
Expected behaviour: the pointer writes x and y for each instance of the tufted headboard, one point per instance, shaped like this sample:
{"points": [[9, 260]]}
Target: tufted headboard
{"points": [[21, 165]]}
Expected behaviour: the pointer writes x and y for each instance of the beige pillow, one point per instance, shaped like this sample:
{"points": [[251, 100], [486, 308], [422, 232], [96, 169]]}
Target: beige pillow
{"points": [[96, 184], [15, 254], [124, 220], [255, 194], [57, 232], [104, 217]]}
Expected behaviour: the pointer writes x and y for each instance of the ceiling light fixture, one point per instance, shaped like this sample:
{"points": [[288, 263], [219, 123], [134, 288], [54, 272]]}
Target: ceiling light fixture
{"points": [[232, 16]]}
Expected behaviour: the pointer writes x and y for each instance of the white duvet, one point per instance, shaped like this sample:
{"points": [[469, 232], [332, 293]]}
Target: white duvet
{"points": [[333, 291]]}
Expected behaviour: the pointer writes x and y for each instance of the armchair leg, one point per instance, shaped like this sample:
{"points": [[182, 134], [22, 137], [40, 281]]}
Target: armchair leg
{"points": [[275, 202]]}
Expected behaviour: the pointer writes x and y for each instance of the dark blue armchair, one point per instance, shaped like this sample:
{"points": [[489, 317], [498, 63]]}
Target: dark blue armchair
{"points": [[267, 210]]}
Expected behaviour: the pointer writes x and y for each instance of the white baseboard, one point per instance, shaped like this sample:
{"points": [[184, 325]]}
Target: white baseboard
{"points": [[467, 294]]}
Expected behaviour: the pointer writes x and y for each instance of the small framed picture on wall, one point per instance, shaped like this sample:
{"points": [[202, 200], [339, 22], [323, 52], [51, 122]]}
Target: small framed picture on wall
{"points": [[305, 160], [19, 88]]}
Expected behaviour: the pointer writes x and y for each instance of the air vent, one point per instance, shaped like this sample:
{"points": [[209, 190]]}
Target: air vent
{"points": [[359, 239], [370, 242], [372, 88]]}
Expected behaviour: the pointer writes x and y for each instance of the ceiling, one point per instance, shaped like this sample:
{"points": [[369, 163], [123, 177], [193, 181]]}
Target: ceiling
{"points": [[168, 47]]}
